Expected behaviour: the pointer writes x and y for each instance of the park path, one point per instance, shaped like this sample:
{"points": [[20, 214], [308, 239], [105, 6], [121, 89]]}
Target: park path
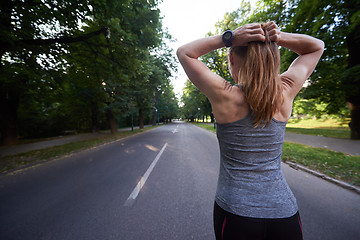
{"points": [[56, 141], [337, 144]]}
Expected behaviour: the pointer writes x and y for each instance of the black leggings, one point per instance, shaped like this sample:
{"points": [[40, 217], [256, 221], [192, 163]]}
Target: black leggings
{"points": [[228, 226]]}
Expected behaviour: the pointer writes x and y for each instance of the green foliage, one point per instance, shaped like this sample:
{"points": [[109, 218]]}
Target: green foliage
{"points": [[67, 64], [217, 61], [313, 108], [336, 79], [196, 104], [233, 19]]}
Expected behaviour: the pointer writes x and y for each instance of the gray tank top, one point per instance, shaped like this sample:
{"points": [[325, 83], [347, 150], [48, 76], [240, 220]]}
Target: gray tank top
{"points": [[251, 182]]}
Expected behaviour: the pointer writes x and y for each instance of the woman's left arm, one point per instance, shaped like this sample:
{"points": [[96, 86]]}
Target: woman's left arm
{"points": [[199, 74], [204, 79]]}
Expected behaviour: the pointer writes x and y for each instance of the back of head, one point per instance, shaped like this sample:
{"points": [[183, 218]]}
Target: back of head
{"points": [[259, 76]]}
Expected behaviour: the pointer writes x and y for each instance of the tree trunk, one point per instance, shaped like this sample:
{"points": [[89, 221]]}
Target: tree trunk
{"points": [[353, 82], [112, 121], [94, 119], [355, 121], [9, 103], [141, 119], [154, 117], [9, 100]]}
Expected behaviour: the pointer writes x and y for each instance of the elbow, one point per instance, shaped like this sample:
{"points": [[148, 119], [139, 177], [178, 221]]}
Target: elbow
{"points": [[185, 53], [180, 53], [316, 47], [321, 44]]}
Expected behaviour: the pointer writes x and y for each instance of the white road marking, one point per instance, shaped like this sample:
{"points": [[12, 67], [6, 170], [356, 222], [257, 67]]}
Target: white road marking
{"points": [[131, 199], [175, 130]]}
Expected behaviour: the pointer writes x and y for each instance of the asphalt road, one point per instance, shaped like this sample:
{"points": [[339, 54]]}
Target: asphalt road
{"points": [[155, 185]]}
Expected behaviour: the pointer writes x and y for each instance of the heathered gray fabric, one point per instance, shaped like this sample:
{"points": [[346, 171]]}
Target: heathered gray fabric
{"points": [[251, 182]]}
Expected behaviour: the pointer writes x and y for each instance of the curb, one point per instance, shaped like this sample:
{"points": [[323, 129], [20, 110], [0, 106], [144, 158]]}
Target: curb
{"points": [[324, 176]]}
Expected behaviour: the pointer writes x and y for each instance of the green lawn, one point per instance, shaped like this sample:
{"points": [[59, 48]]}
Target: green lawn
{"points": [[325, 132], [334, 164], [337, 128]]}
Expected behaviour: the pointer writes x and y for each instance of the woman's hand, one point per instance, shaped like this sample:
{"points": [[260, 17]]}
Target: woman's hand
{"points": [[248, 33], [273, 31]]}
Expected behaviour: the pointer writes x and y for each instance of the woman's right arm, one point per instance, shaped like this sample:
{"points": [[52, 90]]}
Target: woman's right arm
{"points": [[309, 50]]}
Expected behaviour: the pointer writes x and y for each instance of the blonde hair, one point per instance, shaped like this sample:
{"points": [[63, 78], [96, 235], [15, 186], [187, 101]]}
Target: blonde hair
{"points": [[259, 77]]}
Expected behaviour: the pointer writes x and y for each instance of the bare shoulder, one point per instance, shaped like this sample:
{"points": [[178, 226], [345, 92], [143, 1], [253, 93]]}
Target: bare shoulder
{"points": [[230, 93], [231, 105]]}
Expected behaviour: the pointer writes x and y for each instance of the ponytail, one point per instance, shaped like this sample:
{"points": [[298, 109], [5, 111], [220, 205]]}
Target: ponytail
{"points": [[259, 76]]}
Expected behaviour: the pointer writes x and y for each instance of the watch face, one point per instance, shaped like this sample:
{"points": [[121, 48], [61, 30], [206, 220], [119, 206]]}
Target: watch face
{"points": [[227, 35]]}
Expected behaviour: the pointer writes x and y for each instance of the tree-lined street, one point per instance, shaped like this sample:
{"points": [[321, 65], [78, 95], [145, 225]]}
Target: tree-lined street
{"points": [[85, 196], [94, 66], [82, 66]]}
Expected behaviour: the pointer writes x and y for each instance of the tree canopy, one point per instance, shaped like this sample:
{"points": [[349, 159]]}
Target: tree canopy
{"points": [[196, 105], [82, 65], [335, 84]]}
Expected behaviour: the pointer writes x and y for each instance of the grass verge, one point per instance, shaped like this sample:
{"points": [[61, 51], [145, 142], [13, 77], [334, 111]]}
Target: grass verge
{"points": [[325, 132], [37, 156], [337, 128], [338, 165]]}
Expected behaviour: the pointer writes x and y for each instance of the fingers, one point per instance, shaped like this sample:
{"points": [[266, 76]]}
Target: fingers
{"points": [[257, 38], [256, 33], [257, 30], [253, 25], [254, 28], [271, 25], [253, 32], [273, 31]]}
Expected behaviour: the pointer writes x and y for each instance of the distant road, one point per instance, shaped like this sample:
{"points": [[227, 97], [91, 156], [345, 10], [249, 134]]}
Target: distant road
{"points": [[156, 185]]}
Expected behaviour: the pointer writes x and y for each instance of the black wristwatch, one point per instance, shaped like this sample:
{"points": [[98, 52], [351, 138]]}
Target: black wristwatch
{"points": [[227, 37]]}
